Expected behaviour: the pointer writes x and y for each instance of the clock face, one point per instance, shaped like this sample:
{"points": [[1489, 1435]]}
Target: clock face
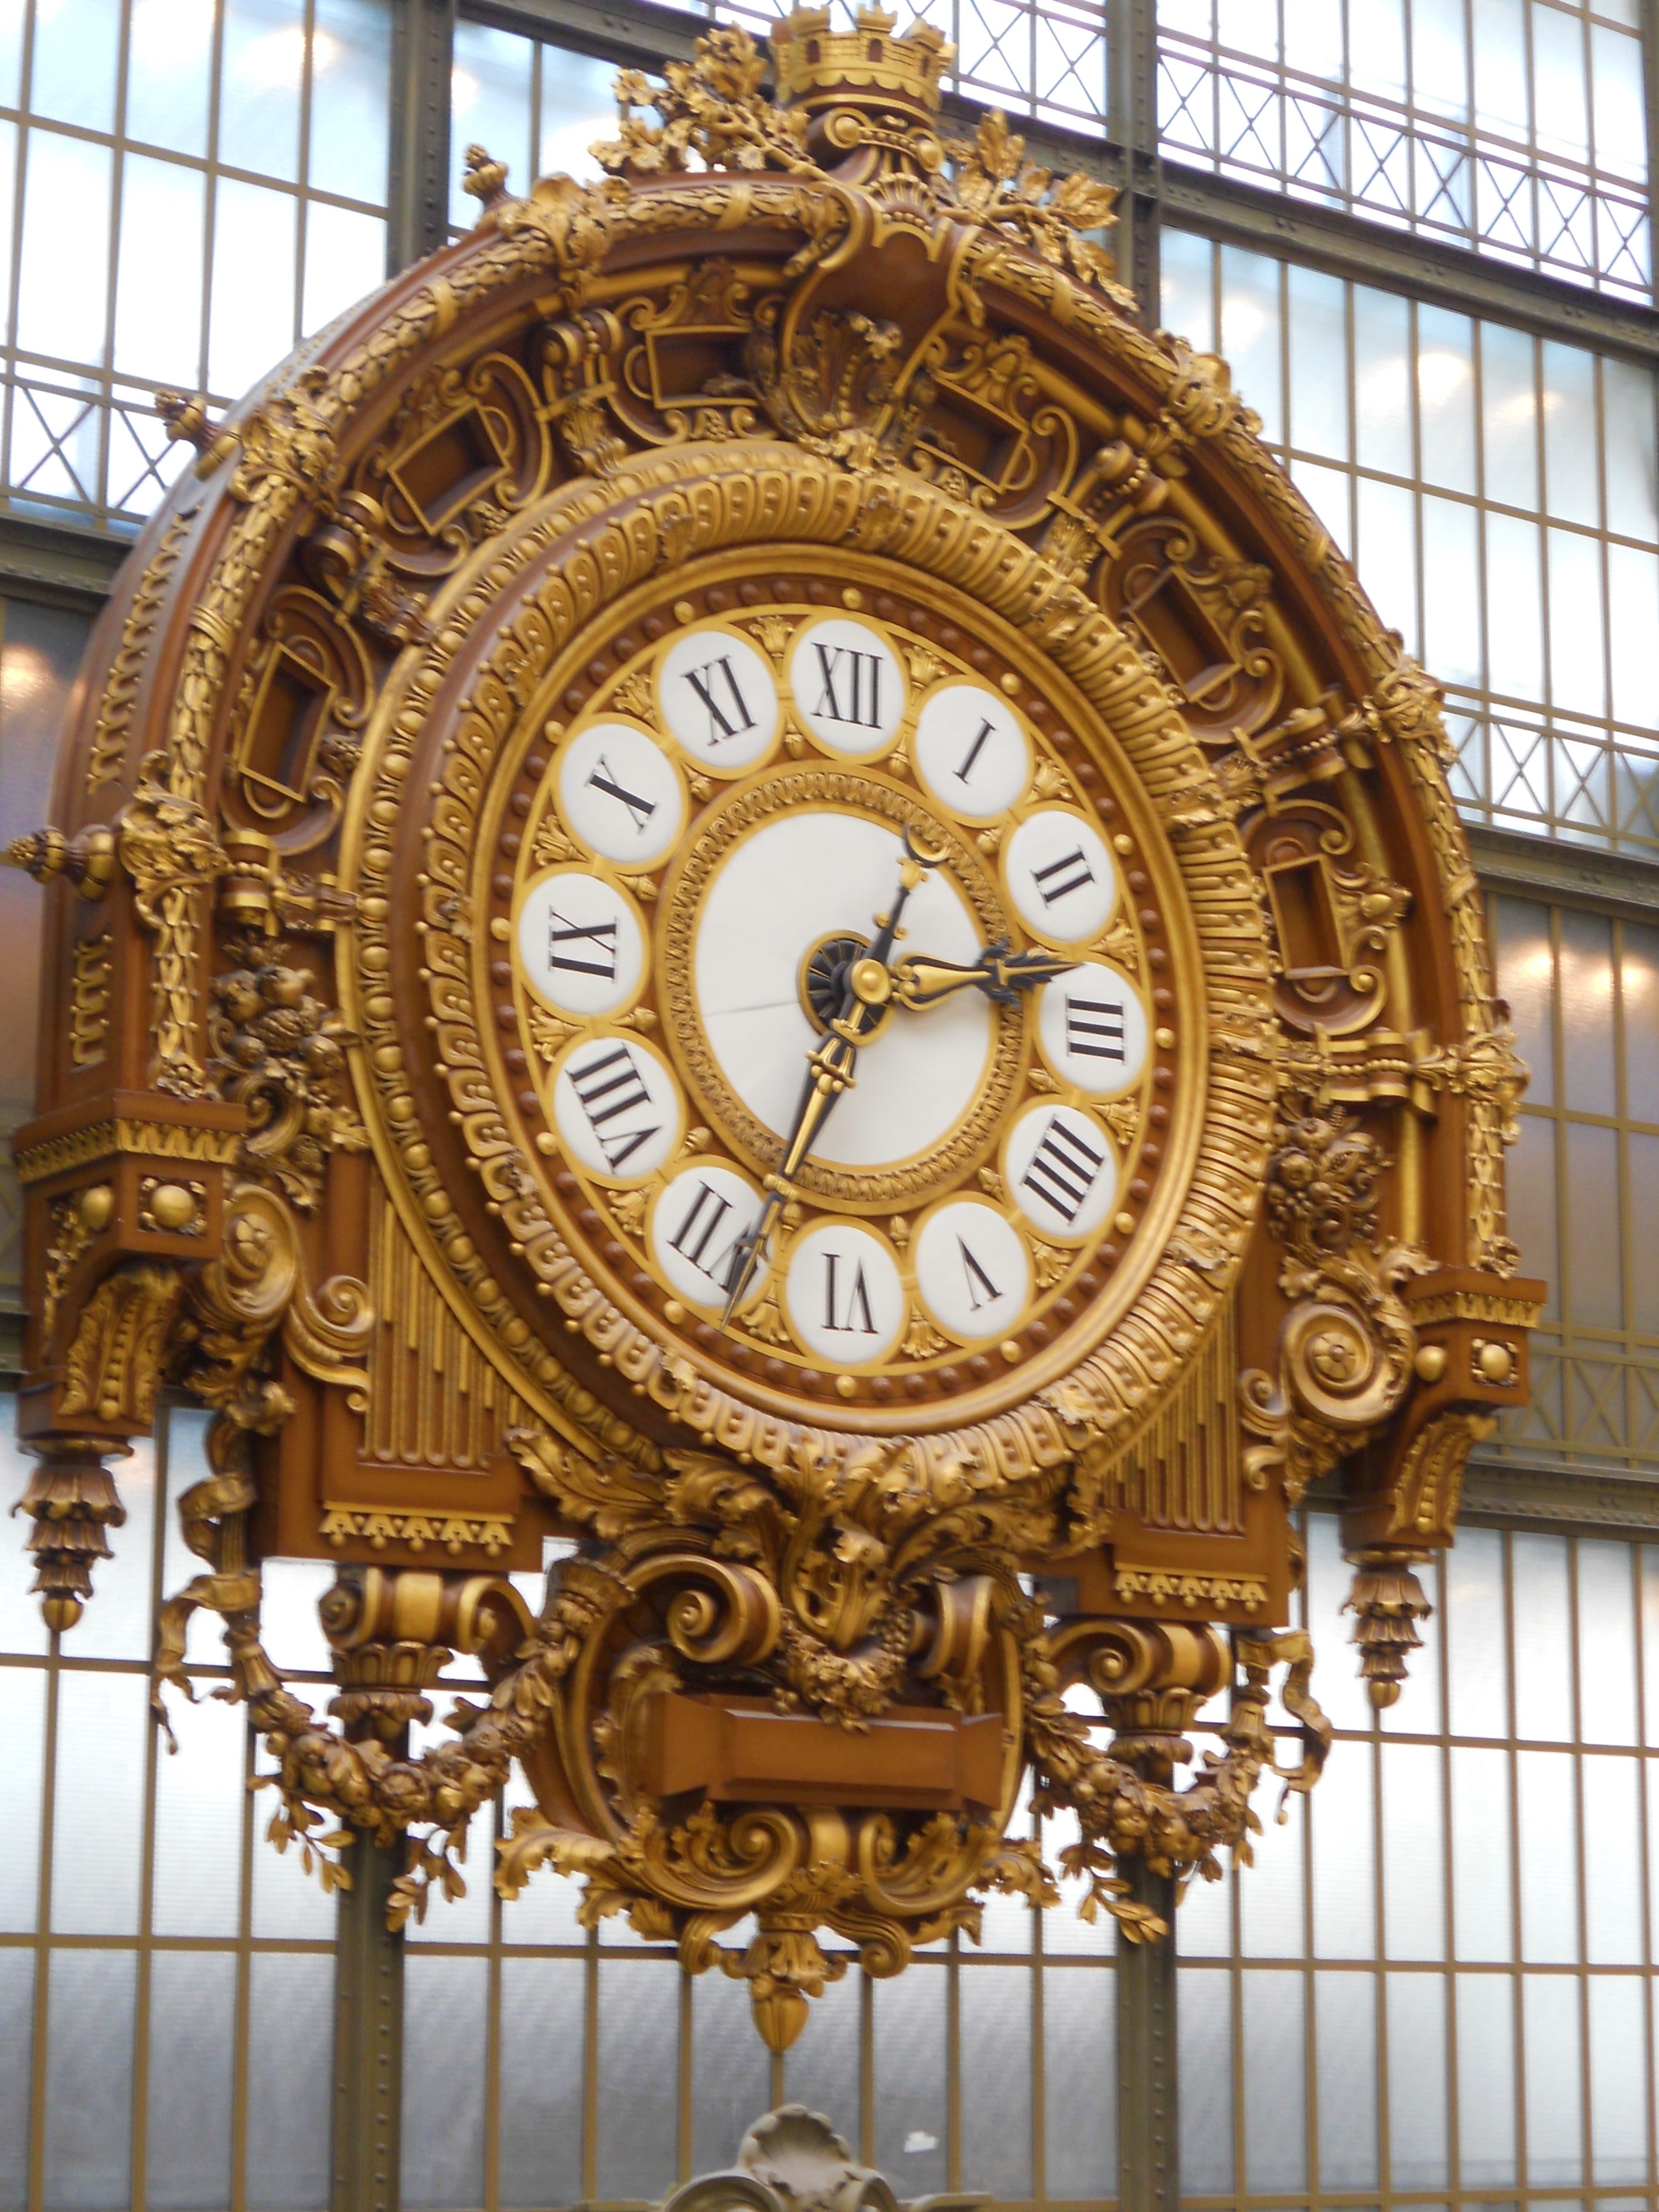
{"points": [[834, 994]]}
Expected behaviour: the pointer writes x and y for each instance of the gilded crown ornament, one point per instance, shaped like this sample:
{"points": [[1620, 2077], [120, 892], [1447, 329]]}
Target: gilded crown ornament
{"points": [[745, 892]]}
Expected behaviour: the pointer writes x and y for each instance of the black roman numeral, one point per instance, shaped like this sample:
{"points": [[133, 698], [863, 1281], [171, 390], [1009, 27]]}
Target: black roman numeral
{"points": [[1063, 1170], [1073, 871], [1094, 1028], [982, 1291], [609, 1086], [603, 779], [852, 685], [715, 684], [858, 1318], [597, 938], [974, 752], [700, 1230]]}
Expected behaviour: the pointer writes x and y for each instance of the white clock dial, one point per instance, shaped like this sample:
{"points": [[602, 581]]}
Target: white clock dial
{"points": [[845, 1295], [719, 699], [581, 943], [694, 1225], [971, 751], [1093, 1030], [620, 793], [616, 1108], [848, 687], [973, 1270], [1061, 1171], [1060, 876], [787, 887]]}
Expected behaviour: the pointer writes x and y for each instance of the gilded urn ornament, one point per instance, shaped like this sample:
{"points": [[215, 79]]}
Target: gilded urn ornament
{"points": [[743, 887]]}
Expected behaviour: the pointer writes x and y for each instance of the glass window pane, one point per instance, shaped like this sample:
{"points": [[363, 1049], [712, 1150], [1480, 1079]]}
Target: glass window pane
{"points": [[1275, 2080], [1445, 398], [1477, 1655], [1531, 1193], [1509, 415], [910, 2088], [1485, 2079], [1613, 1868], [1607, 1640], [1587, 1012], [1594, 1289], [345, 258], [1318, 363], [200, 1798], [1204, 2027], [251, 308], [17, 2034], [1514, 608], [77, 44], [103, 1736], [1342, 1818], [66, 193], [289, 2086], [1562, 116], [1413, 1851], [1079, 2081], [443, 2148], [1633, 618], [1270, 1908], [1418, 2153], [1572, 480], [1385, 553], [90, 2009], [995, 2004], [1187, 288], [1543, 1656], [1618, 2107], [20, 1802], [169, 74], [1451, 590], [543, 2010], [1621, 137], [1482, 1914], [1382, 393], [1577, 672], [1249, 334], [1345, 2012], [158, 288], [821, 2070], [638, 2149], [350, 99], [1638, 976], [580, 107], [1549, 1858], [490, 107], [1633, 471], [191, 2046], [1555, 2111], [262, 75]]}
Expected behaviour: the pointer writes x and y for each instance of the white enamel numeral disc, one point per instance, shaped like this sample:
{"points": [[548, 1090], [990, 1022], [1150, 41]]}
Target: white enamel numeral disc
{"points": [[971, 751], [1093, 1029], [694, 1230], [581, 943], [1061, 1171], [616, 1108], [973, 1270], [719, 699], [847, 686], [845, 1300], [619, 792], [787, 887], [1060, 876]]}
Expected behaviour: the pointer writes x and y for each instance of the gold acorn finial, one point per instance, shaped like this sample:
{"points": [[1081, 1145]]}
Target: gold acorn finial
{"points": [[485, 180]]}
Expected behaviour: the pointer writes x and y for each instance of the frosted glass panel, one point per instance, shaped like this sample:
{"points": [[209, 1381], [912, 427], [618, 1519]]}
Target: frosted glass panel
{"points": [[1618, 2117], [1275, 2078], [730, 2071], [17, 2030], [1543, 1656], [290, 2041], [103, 1737], [1413, 1851], [1417, 2080], [995, 2005], [639, 2046], [192, 2011], [1477, 1659], [1607, 1642], [1549, 1858], [443, 2150], [1342, 1816], [544, 2007], [1555, 2116], [1483, 1915], [201, 1798], [1344, 2016], [90, 2010], [910, 2099], [1080, 2070], [1485, 2078], [822, 2069], [1204, 2020], [1613, 1868], [19, 1802]]}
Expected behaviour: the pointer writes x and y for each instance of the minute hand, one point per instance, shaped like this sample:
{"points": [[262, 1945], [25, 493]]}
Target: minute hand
{"points": [[919, 981]]}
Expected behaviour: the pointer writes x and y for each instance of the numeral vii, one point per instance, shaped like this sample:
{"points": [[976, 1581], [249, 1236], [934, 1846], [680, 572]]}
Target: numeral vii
{"points": [[1064, 1169]]}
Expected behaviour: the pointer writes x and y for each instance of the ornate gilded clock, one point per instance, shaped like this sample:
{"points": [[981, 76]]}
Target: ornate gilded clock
{"points": [[743, 887]]}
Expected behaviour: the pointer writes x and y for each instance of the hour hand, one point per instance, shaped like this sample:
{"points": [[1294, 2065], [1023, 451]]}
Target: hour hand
{"points": [[1002, 974]]}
